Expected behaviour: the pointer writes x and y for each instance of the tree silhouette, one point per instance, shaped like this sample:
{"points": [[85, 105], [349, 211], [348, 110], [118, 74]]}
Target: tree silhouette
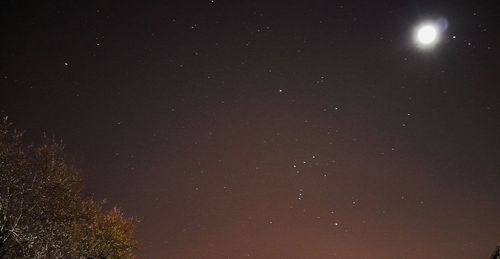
{"points": [[42, 211], [496, 252]]}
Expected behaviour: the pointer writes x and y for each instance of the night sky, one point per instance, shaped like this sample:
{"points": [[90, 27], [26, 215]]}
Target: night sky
{"points": [[270, 129]]}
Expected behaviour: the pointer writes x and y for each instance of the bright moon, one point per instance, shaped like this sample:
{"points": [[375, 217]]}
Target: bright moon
{"points": [[427, 34]]}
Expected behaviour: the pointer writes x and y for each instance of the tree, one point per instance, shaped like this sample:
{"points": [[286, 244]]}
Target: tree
{"points": [[42, 211], [105, 235]]}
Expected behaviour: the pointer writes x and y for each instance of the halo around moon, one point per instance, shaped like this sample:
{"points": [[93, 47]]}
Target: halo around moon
{"points": [[428, 34]]}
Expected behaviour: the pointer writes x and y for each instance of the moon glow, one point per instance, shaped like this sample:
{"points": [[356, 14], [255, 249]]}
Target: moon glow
{"points": [[427, 34]]}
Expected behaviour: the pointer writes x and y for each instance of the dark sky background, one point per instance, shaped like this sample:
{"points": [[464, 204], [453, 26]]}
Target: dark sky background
{"points": [[270, 129]]}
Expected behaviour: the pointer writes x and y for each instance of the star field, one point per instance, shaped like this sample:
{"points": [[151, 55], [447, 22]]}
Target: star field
{"points": [[257, 129]]}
